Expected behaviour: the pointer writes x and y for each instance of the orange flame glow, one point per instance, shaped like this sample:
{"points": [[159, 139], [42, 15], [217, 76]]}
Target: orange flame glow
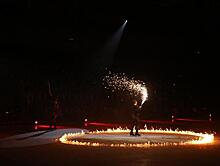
{"points": [[70, 138]]}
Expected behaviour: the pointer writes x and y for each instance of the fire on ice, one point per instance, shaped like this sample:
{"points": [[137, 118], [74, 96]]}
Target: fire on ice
{"points": [[200, 138]]}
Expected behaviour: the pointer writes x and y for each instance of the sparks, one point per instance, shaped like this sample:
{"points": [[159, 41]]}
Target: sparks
{"points": [[120, 82], [200, 138]]}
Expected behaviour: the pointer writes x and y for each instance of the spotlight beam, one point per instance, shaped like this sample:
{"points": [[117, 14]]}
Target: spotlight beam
{"points": [[105, 55]]}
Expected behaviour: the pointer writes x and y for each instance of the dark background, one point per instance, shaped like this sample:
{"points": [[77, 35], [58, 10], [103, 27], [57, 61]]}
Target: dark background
{"points": [[172, 45]]}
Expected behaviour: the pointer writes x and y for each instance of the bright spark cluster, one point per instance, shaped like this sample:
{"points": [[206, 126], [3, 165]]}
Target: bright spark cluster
{"points": [[120, 82]]}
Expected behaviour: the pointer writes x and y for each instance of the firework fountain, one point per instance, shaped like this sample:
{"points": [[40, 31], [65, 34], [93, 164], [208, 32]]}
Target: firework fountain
{"points": [[120, 82]]}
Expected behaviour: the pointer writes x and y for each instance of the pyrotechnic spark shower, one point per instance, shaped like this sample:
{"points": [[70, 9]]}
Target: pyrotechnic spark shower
{"points": [[120, 82]]}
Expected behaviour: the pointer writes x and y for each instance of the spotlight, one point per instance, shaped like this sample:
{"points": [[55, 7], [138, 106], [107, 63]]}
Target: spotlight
{"points": [[126, 21], [36, 122]]}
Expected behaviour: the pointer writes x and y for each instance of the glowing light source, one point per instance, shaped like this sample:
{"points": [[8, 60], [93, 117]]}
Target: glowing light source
{"points": [[201, 138], [172, 118], [210, 117], [36, 122]]}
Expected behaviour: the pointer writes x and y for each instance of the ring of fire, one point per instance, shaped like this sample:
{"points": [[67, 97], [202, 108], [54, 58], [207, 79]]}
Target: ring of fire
{"points": [[149, 138]]}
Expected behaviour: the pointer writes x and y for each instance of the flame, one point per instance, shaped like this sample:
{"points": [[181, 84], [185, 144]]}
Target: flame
{"points": [[201, 138]]}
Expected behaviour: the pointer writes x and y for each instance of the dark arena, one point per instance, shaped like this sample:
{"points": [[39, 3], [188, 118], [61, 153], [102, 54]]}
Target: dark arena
{"points": [[112, 83]]}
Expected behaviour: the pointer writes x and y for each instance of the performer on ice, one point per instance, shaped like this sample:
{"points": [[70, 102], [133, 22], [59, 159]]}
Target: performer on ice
{"points": [[135, 119], [54, 108]]}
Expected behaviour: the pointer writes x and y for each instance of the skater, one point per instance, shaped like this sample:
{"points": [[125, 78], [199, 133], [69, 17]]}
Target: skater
{"points": [[135, 119], [54, 107], [55, 111]]}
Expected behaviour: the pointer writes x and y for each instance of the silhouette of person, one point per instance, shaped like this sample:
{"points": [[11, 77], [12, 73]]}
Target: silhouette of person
{"points": [[55, 110], [54, 107], [135, 119]]}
